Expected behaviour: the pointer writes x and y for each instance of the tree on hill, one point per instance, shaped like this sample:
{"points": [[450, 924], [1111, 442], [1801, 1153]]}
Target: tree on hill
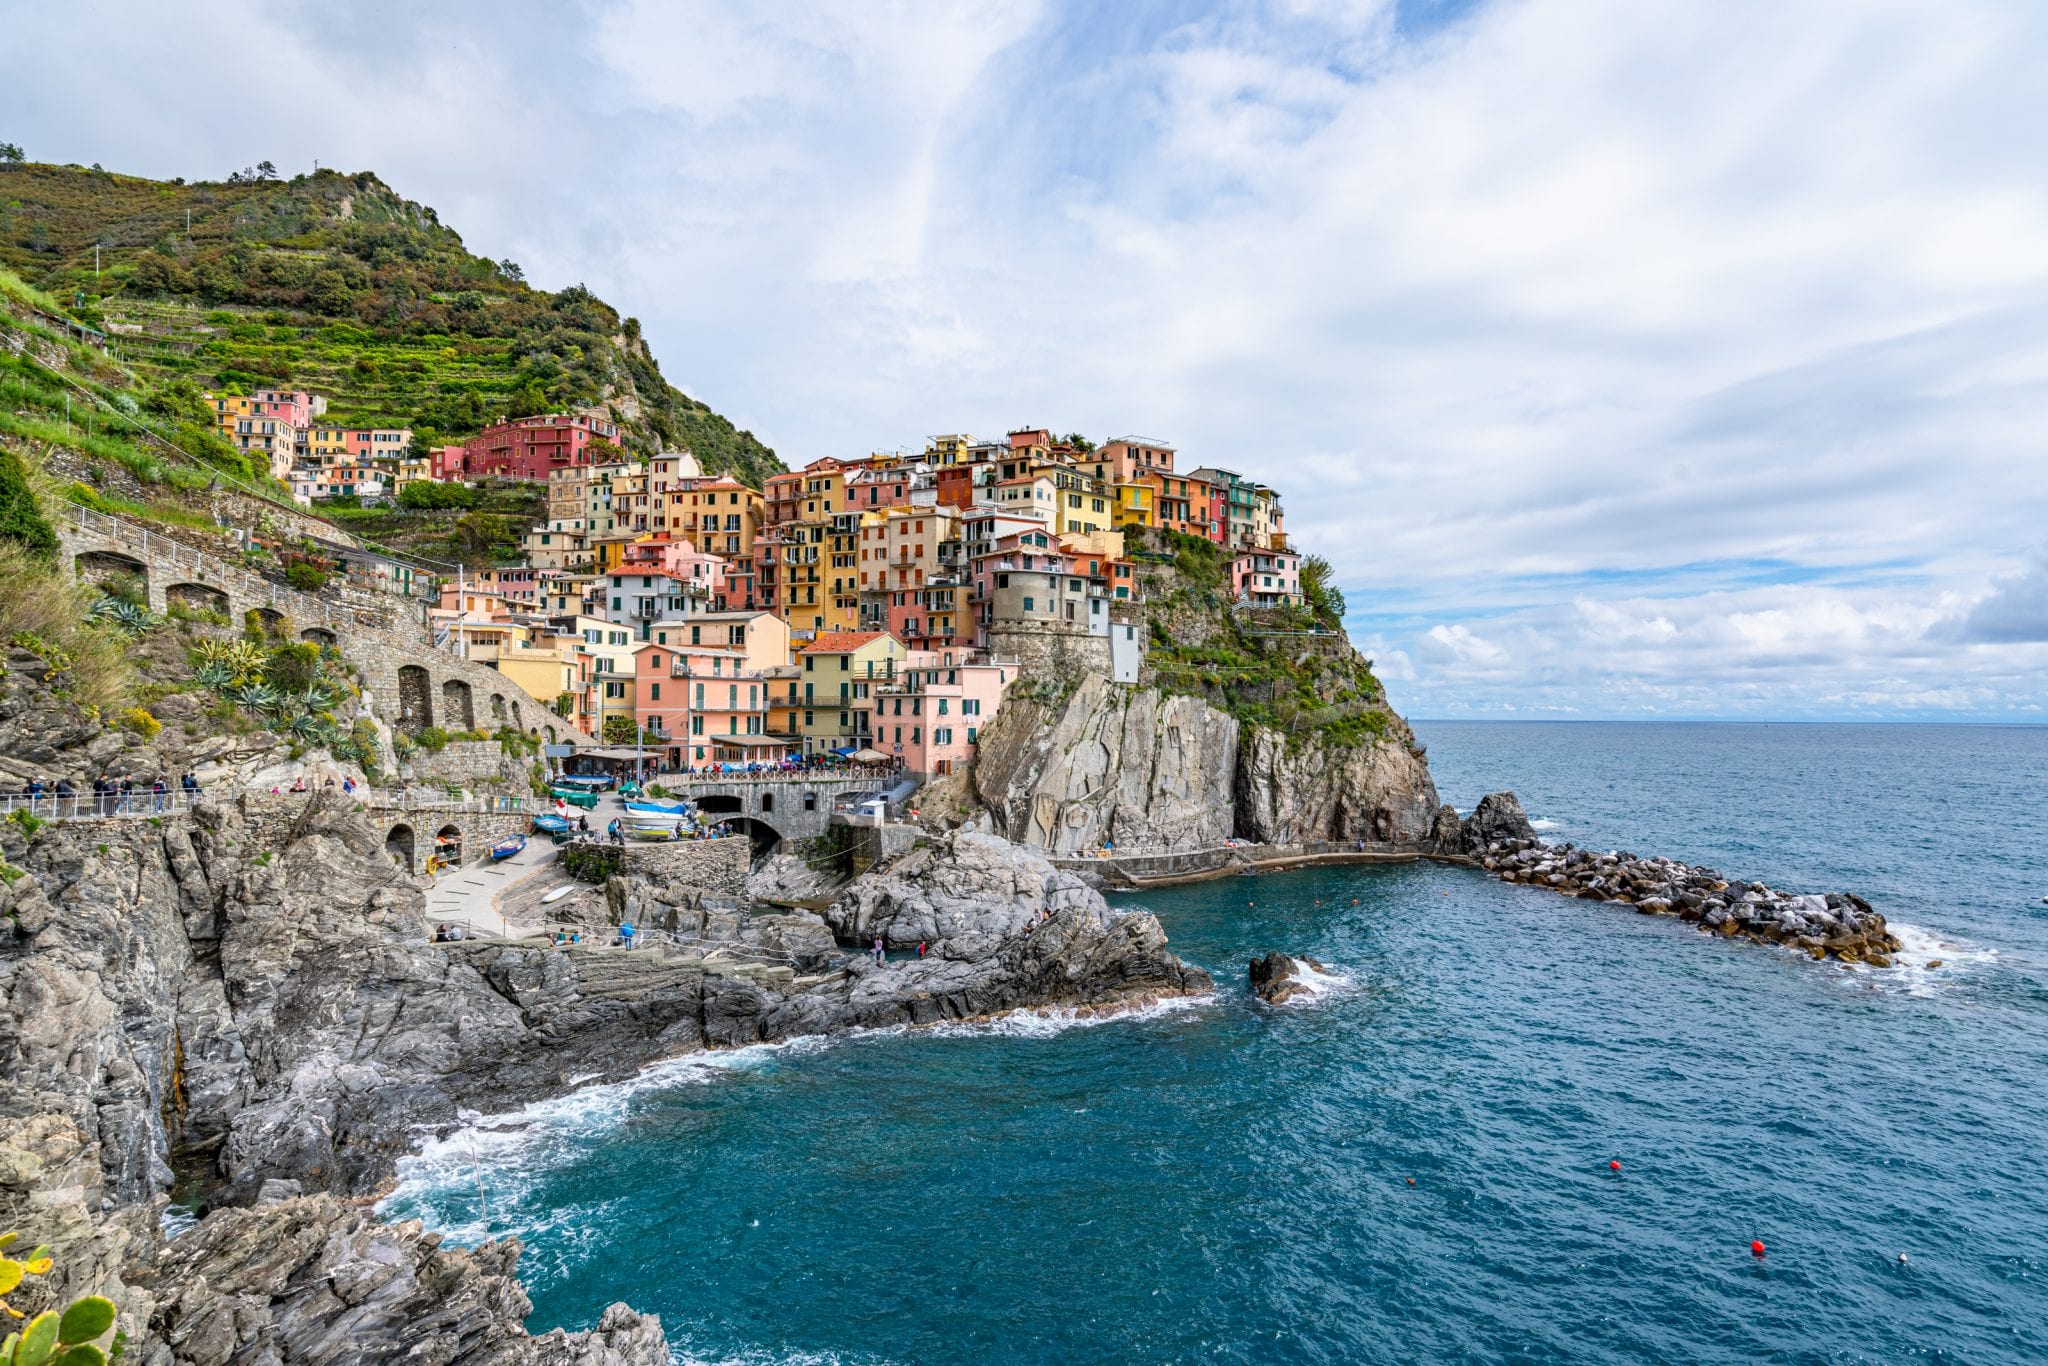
{"points": [[21, 517], [11, 153], [266, 170]]}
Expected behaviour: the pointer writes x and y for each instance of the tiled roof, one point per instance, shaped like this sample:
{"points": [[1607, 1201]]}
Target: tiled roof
{"points": [[840, 642]]}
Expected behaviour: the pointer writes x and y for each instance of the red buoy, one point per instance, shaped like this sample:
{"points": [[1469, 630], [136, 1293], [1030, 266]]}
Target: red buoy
{"points": [[1614, 1166], [1756, 1248]]}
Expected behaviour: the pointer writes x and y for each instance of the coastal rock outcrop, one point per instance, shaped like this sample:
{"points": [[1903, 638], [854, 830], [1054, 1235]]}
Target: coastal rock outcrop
{"points": [[1292, 792], [1498, 818], [1838, 925], [315, 1280], [1277, 978], [1107, 764]]}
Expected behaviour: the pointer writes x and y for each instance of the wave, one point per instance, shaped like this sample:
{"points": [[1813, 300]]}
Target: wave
{"points": [[1317, 986], [440, 1182], [1914, 966], [1545, 823]]}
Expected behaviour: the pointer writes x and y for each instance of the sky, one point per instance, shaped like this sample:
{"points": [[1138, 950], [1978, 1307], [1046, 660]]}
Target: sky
{"points": [[1626, 359]]}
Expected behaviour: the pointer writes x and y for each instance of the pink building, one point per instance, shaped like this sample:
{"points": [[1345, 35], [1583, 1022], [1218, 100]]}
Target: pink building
{"points": [[295, 406], [930, 716], [532, 447], [1267, 578], [705, 704], [676, 557]]}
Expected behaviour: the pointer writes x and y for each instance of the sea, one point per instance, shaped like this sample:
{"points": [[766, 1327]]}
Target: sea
{"points": [[1417, 1163]]}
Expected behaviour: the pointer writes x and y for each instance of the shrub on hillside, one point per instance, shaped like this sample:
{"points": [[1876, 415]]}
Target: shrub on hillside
{"points": [[425, 495]]}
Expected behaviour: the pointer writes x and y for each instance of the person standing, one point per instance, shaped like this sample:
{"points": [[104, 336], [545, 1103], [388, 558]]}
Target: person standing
{"points": [[158, 791], [879, 955]]}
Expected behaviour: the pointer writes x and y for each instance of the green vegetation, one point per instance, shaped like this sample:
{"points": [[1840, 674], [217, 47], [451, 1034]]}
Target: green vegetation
{"points": [[48, 613], [1280, 668], [294, 688], [489, 531], [21, 513], [422, 495], [50, 1338], [336, 283], [592, 862]]}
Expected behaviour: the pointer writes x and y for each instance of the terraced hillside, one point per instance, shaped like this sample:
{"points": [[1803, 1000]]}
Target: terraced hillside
{"points": [[339, 284]]}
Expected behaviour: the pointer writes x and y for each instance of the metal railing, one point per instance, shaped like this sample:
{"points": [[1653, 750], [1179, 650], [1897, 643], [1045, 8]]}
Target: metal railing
{"points": [[89, 805]]}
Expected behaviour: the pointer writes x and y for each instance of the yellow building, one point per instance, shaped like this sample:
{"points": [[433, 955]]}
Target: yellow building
{"points": [[722, 516], [1136, 506], [837, 674]]}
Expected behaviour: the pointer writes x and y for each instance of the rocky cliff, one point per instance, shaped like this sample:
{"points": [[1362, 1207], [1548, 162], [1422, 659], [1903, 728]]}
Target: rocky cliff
{"points": [[1146, 771], [1256, 723], [1108, 764]]}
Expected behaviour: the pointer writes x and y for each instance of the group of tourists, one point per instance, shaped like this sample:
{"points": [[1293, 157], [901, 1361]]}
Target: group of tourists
{"points": [[111, 795]]}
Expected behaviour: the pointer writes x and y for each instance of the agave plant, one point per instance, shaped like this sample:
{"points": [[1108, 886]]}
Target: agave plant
{"points": [[258, 697], [214, 676], [314, 730], [319, 696], [242, 659], [131, 617]]}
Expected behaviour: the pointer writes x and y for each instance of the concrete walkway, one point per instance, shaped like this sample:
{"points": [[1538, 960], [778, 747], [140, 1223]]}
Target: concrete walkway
{"points": [[469, 895]]}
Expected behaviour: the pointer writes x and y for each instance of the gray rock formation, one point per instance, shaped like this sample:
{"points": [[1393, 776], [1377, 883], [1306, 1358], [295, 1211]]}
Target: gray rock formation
{"points": [[319, 1280], [1497, 819], [1289, 793], [176, 993], [1131, 766], [1276, 978]]}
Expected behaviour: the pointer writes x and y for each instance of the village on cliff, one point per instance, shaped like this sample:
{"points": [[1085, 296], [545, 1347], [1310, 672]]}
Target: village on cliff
{"points": [[878, 606]]}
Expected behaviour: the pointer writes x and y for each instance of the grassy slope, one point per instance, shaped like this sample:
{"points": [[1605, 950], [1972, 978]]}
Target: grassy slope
{"points": [[1262, 666], [337, 283]]}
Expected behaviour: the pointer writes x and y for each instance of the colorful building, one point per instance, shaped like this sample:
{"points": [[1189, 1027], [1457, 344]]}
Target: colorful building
{"points": [[931, 714], [534, 447], [838, 673]]}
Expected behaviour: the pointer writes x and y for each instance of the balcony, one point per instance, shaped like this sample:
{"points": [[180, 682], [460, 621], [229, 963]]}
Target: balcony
{"points": [[682, 669]]}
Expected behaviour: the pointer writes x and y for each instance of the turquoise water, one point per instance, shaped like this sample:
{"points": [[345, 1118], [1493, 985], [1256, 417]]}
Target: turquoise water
{"points": [[1224, 1181]]}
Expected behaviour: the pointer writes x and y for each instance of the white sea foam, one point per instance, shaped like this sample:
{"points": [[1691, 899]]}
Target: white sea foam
{"points": [[439, 1182], [1318, 985], [1919, 947], [1545, 823]]}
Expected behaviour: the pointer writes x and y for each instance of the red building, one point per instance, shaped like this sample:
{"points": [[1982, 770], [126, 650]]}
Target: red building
{"points": [[531, 447]]}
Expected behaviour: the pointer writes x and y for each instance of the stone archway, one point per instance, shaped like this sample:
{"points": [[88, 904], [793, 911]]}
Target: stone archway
{"points": [[196, 597], [718, 806], [398, 844], [415, 700], [270, 620], [764, 837], [319, 635], [498, 707], [457, 709], [105, 567], [448, 845]]}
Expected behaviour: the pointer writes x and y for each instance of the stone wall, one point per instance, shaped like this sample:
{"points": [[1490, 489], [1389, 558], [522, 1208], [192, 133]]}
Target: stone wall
{"points": [[383, 636], [467, 764], [1050, 650], [715, 868]]}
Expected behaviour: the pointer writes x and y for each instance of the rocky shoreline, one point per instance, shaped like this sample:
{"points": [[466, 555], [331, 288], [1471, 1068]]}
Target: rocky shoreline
{"points": [[1838, 925], [274, 1015]]}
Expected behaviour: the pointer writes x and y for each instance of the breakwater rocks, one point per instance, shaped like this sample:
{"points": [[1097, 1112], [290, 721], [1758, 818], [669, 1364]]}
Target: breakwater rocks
{"points": [[1835, 925]]}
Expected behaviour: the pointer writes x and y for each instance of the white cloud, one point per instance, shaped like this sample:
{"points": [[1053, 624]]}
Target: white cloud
{"points": [[1675, 356]]}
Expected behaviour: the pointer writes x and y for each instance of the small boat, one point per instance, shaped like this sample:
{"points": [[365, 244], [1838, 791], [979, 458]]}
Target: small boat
{"points": [[556, 895], [505, 849], [575, 796], [549, 823], [671, 810]]}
